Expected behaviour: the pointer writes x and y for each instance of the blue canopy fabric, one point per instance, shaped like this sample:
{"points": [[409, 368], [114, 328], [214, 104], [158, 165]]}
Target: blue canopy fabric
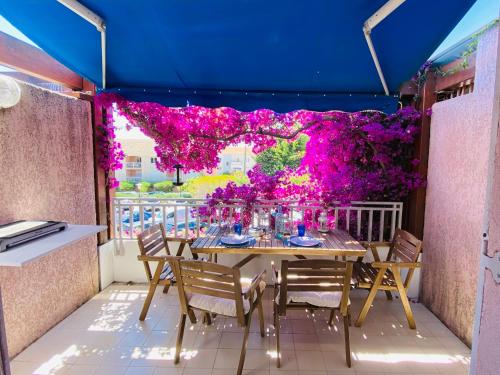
{"points": [[248, 54]]}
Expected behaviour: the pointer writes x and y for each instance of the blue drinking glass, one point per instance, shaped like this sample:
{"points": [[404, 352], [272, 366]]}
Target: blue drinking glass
{"points": [[301, 230], [237, 228]]}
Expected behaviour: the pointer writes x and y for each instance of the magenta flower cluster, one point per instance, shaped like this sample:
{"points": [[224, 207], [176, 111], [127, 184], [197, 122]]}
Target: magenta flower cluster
{"points": [[349, 156], [364, 156], [111, 154]]}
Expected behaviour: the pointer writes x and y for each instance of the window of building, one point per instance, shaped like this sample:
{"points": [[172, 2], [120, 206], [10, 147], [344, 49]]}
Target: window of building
{"points": [[133, 173], [154, 160]]}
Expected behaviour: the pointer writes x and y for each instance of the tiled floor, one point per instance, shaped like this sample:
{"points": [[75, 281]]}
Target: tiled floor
{"points": [[104, 336]]}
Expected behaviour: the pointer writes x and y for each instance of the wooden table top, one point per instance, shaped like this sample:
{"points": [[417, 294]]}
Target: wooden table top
{"points": [[334, 243]]}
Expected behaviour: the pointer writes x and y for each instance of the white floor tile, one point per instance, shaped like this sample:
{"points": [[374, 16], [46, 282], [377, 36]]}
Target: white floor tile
{"points": [[105, 336]]}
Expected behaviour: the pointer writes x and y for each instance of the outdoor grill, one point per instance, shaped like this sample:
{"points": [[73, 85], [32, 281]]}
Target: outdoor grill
{"points": [[19, 232]]}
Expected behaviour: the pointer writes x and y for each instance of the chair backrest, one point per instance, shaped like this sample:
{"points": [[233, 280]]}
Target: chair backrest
{"points": [[405, 247], [315, 275], [153, 240], [211, 279]]}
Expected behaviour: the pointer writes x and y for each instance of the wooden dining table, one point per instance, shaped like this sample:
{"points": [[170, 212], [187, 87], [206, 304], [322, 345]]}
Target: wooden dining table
{"points": [[335, 243]]}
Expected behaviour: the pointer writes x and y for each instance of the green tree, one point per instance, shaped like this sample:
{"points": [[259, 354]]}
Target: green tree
{"points": [[126, 186], [144, 186], [284, 154], [200, 186], [165, 186]]}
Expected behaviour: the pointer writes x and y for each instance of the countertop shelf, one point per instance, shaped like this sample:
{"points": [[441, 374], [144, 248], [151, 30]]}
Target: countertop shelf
{"points": [[28, 252]]}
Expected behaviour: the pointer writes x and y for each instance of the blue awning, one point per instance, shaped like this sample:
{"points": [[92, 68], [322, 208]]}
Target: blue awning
{"points": [[249, 54]]}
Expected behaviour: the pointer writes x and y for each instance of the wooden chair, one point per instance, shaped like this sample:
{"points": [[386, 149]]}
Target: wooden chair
{"points": [[153, 245], [314, 284], [216, 289], [403, 254]]}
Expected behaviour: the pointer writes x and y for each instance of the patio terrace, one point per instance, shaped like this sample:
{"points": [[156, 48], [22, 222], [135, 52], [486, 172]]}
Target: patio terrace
{"points": [[104, 336], [74, 307]]}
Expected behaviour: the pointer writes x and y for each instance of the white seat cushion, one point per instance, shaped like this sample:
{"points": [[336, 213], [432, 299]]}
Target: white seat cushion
{"points": [[222, 306], [320, 299]]}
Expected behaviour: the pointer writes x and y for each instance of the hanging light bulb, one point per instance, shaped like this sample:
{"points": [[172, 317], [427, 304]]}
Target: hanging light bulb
{"points": [[10, 92]]}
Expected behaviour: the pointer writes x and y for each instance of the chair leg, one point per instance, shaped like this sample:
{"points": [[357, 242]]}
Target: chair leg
{"points": [[349, 315], [389, 295], [332, 316], [261, 318], [404, 299], [153, 283], [275, 305], [180, 335], [244, 345], [347, 341], [277, 331], [166, 288], [147, 301], [370, 298], [207, 319], [192, 317]]}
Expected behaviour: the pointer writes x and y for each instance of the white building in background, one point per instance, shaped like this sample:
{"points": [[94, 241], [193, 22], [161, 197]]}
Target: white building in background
{"points": [[237, 158], [140, 159]]}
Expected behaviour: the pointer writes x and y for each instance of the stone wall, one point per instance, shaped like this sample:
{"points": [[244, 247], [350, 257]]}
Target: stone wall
{"points": [[47, 173], [487, 360], [461, 136]]}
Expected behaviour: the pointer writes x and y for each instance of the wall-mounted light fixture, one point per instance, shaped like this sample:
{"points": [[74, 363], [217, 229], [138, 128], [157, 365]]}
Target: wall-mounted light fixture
{"points": [[178, 180], [10, 92]]}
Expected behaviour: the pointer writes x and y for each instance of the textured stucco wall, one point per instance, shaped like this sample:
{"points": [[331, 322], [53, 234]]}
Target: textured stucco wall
{"points": [[488, 360], [46, 169], [456, 195]]}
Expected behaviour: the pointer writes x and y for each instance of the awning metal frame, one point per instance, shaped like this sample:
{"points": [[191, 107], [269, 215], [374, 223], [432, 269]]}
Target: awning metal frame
{"points": [[95, 20], [370, 24]]}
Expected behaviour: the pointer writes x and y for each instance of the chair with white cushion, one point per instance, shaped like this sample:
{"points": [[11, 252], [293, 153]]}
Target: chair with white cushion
{"points": [[216, 289], [154, 249], [314, 284]]}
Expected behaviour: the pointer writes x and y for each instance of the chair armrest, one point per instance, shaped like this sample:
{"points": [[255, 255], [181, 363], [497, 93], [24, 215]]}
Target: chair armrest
{"points": [[396, 264], [255, 284], [373, 247], [157, 258], [188, 241], [376, 244]]}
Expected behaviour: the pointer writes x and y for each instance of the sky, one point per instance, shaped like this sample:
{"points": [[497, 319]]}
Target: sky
{"points": [[481, 13]]}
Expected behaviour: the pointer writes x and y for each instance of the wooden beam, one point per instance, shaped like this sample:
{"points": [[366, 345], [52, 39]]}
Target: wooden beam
{"points": [[102, 193], [408, 88], [416, 203], [446, 82], [458, 73], [30, 60]]}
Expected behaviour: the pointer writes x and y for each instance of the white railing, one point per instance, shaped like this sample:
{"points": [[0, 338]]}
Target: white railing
{"points": [[185, 217]]}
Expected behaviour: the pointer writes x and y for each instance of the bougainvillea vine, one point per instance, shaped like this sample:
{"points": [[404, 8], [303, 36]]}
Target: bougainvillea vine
{"points": [[111, 154], [349, 156]]}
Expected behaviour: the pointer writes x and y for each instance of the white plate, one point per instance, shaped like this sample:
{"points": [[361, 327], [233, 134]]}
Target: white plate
{"points": [[304, 241], [235, 240]]}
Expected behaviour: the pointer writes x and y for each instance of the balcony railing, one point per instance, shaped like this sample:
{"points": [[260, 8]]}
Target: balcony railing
{"points": [[188, 217]]}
